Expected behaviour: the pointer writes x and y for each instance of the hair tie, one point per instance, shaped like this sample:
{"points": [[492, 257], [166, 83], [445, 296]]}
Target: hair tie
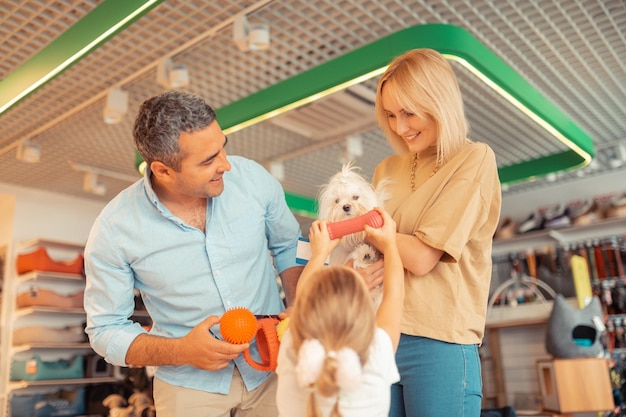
{"points": [[311, 358], [349, 370]]}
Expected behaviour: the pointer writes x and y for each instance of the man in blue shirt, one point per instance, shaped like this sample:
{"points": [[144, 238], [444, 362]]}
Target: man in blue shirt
{"points": [[200, 233]]}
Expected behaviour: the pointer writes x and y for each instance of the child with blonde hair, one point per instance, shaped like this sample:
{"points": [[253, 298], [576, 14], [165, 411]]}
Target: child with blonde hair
{"points": [[337, 358]]}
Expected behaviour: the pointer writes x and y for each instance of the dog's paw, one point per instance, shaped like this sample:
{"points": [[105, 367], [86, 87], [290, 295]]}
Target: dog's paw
{"points": [[364, 255]]}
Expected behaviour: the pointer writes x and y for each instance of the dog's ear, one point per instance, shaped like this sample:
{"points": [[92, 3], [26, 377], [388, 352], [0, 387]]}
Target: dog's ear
{"points": [[325, 199]]}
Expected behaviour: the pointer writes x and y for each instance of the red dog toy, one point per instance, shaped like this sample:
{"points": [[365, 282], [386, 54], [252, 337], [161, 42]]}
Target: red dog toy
{"points": [[355, 224]]}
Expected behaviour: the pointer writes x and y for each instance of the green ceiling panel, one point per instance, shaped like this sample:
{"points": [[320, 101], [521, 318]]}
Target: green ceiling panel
{"points": [[457, 44], [98, 26]]}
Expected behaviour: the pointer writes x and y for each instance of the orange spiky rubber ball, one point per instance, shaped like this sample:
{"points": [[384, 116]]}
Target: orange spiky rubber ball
{"points": [[238, 325]]}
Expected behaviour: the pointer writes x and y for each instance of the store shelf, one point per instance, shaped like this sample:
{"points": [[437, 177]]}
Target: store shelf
{"points": [[26, 311], [51, 347], [538, 239], [14, 317], [56, 244], [535, 315], [50, 277], [18, 385], [521, 315]]}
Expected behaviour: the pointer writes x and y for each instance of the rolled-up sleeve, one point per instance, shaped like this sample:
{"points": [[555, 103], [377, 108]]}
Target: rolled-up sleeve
{"points": [[109, 300]]}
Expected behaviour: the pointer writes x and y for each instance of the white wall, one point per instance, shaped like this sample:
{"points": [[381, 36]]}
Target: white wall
{"points": [[7, 211], [41, 214]]}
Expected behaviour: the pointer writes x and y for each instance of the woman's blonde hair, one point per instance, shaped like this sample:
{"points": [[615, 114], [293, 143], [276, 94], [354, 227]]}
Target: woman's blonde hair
{"points": [[334, 307], [423, 82]]}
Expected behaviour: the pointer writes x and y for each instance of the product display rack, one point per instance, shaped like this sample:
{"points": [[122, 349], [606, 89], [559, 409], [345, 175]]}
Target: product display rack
{"points": [[536, 314], [14, 317], [566, 235]]}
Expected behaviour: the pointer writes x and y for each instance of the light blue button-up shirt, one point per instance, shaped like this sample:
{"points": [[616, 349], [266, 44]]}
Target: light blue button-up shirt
{"points": [[185, 275]]}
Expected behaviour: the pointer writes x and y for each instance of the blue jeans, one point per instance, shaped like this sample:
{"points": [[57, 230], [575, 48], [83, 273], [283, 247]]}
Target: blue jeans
{"points": [[437, 379]]}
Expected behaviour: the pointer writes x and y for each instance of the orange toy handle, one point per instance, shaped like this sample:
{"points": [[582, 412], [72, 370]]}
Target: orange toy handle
{"points": [[355, 224], [267, 343]]}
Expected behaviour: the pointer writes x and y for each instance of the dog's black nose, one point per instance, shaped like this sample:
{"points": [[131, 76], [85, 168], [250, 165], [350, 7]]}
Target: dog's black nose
{"points": [[347, 208]]}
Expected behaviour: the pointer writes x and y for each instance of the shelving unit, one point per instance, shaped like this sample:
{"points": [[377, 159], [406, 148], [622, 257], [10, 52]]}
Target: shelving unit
{"points": [[531, 240], [15, 317], [533, 315]]}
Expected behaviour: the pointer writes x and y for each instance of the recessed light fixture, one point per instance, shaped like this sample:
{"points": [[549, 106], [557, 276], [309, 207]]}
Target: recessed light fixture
{"points": [[28, 152], [354, 146], [92, 184], [250, 36], [92, 176], [172, 75], [116, 106], [277, 169]]}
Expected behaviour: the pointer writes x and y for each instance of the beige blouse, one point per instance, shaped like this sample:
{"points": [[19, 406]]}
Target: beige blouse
{"points": [[456, 210]]}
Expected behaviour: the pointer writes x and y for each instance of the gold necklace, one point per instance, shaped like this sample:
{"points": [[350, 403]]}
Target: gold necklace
{"points": [[414, 167]]}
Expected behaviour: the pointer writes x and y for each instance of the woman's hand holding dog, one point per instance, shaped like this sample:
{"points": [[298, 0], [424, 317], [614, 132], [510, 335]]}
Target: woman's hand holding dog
{"points": [[381, 238]]}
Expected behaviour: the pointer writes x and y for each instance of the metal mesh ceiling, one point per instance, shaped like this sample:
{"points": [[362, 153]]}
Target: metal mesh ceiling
{"points": [[573, 52]]}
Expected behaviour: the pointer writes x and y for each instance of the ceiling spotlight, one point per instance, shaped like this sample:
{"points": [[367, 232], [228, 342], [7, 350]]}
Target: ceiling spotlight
{"points": [[250, 37], [92, 185], [277, 169], [354, 146], [29, 152], [92, 176], [172, 76], [116, 107], [551, 177]]}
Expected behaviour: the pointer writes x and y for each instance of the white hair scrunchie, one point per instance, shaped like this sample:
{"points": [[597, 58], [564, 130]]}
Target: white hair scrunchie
{"points": [[349, 370], [311, 358]]}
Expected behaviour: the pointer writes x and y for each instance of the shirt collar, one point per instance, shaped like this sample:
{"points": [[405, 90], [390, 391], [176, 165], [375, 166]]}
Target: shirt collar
{"points": [[147, 185]]}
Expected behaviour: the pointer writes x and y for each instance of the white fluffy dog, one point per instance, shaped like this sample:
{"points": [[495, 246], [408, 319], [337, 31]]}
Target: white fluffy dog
{"points": [[346, 195]]}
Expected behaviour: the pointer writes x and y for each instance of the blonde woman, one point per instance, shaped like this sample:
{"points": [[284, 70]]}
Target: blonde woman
{"points": [[446, 202], [337, 357]]}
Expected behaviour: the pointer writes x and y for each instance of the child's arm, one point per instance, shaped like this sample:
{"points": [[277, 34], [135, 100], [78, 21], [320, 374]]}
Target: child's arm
{"points": [[389, 312], [321, 246]]}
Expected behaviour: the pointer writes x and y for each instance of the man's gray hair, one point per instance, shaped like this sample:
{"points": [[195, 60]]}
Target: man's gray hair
{"points": [[162, 119]]}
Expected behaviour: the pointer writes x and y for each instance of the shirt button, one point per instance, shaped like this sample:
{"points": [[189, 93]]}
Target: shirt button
{"points": [[228, 303], [217, 272]]}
